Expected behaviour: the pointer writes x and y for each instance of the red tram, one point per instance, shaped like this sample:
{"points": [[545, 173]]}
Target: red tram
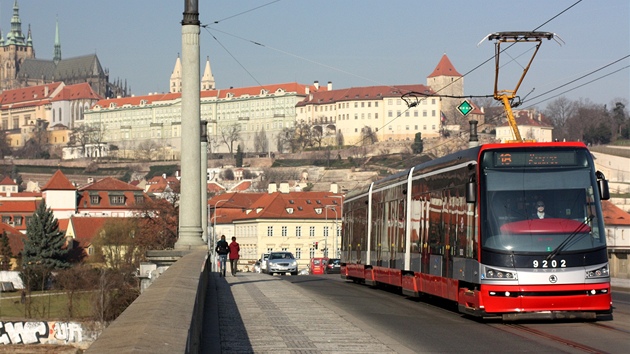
{"points": [[465, 227]]}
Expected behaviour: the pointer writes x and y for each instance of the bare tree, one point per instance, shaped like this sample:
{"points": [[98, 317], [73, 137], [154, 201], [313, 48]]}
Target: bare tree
{"points": [[230, 134], [316, 136], [261, 144], [115, 245], [146, 150], [368, 137], [560, 111], [84, 134]]}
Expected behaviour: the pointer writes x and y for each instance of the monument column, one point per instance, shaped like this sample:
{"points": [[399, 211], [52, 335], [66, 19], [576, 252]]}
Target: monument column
{"points": [[189, 215]]}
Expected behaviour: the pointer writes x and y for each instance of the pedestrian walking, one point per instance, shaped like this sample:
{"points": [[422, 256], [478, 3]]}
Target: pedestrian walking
{"points": [[234, 249], [223, 249]]}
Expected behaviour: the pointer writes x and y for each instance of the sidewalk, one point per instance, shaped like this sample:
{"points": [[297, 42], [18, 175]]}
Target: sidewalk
{"points": [[258, 313], [620, 284]]}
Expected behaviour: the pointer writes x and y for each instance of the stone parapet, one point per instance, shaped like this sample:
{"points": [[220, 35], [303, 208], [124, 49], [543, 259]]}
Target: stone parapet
{"points": [[165, 318]]}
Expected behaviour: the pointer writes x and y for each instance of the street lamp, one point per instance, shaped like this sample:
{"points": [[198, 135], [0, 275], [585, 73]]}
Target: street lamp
{"points": [[340, 216], [214, 235], [334, 236]]}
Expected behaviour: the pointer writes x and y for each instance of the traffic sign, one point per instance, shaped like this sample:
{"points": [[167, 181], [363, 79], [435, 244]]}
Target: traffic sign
{"points": [[464, 108]]}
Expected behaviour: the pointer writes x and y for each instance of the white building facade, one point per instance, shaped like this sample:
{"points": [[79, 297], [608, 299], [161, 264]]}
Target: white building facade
{"points": [[130, 122]]}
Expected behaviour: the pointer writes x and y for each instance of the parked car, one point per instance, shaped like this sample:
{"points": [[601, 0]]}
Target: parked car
{"points": [[317, 265], [281, 262], [333, 266], [263, 262]]}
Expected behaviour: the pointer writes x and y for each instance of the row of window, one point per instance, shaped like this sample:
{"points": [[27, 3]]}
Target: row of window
{"points": [[16, 220], [362, 104], [115, 199], [298, 231]]}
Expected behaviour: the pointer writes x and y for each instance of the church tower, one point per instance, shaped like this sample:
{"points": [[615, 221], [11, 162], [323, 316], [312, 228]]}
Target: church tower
{"points": [[207, 80], [14, 51], [445, 80], [176, 77]]}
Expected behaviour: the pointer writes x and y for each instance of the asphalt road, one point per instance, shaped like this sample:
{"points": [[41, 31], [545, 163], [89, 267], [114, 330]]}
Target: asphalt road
{"points": [[431, 325]]}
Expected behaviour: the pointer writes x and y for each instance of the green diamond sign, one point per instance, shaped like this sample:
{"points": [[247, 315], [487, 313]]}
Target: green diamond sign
{"points": [[464, 108]]}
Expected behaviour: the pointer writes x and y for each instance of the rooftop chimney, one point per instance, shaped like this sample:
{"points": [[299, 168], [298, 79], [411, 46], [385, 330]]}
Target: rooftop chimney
{"points": [[329, 87], [316, 84]]}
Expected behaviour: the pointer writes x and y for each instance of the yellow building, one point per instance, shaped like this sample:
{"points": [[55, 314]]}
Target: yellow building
{"points": [[52, 109], [307, 224]]}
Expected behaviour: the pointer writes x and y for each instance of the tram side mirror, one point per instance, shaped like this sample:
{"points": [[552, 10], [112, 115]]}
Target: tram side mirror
{"points": [[602, 184], [471, 192]]}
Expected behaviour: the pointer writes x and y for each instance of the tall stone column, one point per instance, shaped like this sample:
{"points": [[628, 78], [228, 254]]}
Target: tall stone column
{"points": [[189, 214]]}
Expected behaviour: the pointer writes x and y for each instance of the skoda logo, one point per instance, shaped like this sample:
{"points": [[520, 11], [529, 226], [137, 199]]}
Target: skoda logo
{"points": [[553, 279]]}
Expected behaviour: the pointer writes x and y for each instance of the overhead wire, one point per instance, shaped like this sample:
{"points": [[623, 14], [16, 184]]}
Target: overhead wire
{"points": [[244, 12], [582, 77], [377, 82]]}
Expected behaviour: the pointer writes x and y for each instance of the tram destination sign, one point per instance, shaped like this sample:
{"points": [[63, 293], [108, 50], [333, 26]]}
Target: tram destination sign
{"points": [[534, 158]]}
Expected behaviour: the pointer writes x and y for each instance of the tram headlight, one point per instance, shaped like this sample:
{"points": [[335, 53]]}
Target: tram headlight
{"points": [[601, 272], [491, 273]]}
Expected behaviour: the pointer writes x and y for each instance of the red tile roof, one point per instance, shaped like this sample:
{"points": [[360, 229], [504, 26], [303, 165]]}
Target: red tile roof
{"points": [[77, 91], [445, 68], [7, 181], [614, 215], [530, 118], [86, 228], [104, 188], [300, 89], [109, 184], [277, 205], [28, 94], [362, 93], [58, 181], [16, 238], [242, 186], [214, 187]]}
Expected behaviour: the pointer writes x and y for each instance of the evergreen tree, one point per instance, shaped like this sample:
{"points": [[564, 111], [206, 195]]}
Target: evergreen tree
{"points": [[5, 252], [239, 156], [417, 147], [43, 248]]}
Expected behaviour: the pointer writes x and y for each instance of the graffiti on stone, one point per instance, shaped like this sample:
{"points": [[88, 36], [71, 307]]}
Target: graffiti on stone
{"points": [[40, 332]]}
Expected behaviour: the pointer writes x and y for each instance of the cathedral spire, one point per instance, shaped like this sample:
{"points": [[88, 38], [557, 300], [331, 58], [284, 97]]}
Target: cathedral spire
{"points": [[29, 38], [15, 36], [57, 53], [207, 80]]}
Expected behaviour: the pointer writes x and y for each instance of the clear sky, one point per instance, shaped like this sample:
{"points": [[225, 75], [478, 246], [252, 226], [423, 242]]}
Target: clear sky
{"points": [[350, 43]]}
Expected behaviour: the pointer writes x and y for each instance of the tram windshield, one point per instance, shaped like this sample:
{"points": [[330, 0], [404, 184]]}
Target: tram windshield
{"points": [[541, 210]]}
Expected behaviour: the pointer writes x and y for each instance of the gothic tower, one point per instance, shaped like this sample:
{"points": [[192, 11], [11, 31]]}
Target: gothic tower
{"points": [[445, 80], [176, 77], [207, 80], [14, 51]]}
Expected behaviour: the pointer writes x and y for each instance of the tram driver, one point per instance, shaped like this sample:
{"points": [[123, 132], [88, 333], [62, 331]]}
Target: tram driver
{"points": [[540, 211]]}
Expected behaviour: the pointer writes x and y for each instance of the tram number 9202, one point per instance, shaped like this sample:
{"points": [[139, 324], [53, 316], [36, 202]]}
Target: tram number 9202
{"points": [[550, 263]]}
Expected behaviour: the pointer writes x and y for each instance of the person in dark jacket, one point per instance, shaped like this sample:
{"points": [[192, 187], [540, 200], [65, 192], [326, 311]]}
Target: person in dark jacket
{"points": [[223, 249], [234, 249]]}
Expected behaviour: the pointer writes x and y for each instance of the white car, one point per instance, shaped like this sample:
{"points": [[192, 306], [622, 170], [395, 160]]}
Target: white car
{"points": [[263, 262], [281, 262]]}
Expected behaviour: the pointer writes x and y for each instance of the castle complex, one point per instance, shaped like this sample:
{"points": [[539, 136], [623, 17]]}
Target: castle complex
{"points": [[20, 68]]}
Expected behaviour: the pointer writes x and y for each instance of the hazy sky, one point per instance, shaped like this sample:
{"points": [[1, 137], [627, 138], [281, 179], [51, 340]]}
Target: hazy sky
{"points": [[350, 43]]}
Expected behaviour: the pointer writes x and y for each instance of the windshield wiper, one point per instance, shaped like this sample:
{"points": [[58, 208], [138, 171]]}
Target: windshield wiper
{"points": [[570, 238]]}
